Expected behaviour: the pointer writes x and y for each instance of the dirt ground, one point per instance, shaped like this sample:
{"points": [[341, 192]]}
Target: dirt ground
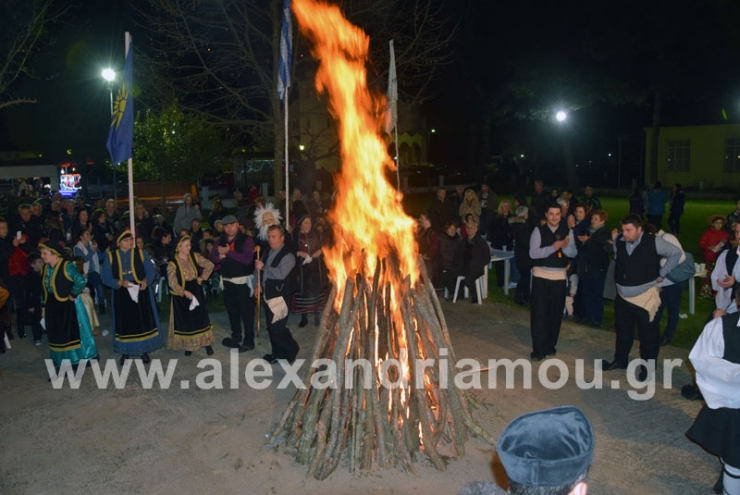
{"points": [[191, 441]]}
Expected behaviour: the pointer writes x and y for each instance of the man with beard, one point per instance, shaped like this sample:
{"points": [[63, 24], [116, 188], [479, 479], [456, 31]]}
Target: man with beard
{"points": [[265, 217], [638, 273], [234, 252]]}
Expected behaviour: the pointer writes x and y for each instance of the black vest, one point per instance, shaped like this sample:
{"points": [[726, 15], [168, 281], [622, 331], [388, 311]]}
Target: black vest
{"points": [[230, 268], [178, 268], [639, 268], [137, 267], [548, 238], [730, 259], [286, 287], [731, 334], [61, 284]]}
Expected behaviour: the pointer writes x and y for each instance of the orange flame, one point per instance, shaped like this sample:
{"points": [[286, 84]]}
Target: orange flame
{"points": [[368, 209]]}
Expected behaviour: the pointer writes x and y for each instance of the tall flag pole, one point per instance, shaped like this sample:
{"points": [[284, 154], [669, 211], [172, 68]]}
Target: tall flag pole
{"points": [[391, 119], [286, 57], [120, 142]]}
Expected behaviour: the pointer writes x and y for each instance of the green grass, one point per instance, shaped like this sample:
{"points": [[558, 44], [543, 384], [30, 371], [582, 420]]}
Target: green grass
{"points": [[693, 224]]}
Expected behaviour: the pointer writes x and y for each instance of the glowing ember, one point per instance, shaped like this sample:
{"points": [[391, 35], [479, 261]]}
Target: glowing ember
{"points": [[368, 208]]}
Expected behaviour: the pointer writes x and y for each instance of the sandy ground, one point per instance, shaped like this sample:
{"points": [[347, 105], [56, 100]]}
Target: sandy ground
{"points": [[188, 441]]}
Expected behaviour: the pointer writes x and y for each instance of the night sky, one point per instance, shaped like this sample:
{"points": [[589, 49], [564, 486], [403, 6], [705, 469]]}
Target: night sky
{"points": [[510, 66]]}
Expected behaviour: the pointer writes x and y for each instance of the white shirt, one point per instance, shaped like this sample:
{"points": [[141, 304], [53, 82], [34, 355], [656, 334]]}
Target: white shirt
{"points": [[718, 379], [722, 299]]}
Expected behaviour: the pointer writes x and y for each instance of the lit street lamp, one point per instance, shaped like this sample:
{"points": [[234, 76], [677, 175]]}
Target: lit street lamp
{"points": [[561, 116]]}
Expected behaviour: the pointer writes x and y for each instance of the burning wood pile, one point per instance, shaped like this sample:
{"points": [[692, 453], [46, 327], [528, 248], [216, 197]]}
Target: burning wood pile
{"points": [[385, 395]]}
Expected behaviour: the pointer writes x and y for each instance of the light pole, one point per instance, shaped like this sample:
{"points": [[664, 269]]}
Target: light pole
{"points": [[570, 168], [110, 76]]}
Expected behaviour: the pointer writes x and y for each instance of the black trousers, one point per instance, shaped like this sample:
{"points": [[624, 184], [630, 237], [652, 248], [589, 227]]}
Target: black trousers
{"points": [[546, 314], [626, 316], [15, 286], [283, 344], [240, 308]]}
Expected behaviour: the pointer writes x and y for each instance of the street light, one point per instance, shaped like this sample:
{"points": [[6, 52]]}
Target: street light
{"points": [[110, 76], [561, 116]]}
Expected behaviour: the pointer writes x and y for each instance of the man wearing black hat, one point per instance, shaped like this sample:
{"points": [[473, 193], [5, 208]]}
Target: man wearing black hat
{"points": [[544, 453], [234, 252]]}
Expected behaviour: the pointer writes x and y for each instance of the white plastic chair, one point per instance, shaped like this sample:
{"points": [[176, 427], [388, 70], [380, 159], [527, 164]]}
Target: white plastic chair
{"points": [[478, 289]]}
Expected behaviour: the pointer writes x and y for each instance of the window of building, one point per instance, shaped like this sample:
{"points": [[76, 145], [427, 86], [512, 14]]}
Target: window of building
{"points": [[679, 155], [732, 155]]}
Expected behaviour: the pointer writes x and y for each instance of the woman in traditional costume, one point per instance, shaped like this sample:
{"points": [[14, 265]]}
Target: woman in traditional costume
{"points": [[310, 297], [67, 326], [129, 272], [190, 327]]}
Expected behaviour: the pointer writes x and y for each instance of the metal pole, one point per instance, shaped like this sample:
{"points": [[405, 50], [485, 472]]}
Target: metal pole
{"points": [[115, 195], [131, 213], [287, 167]]}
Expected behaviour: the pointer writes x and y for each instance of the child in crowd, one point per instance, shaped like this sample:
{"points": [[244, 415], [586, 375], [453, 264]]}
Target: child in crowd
{"points": [[87, 300], [712, 242], [33, 294]]}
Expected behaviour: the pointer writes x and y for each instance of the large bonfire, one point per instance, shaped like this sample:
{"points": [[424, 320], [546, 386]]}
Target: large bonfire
{"points": [[383, 309]]}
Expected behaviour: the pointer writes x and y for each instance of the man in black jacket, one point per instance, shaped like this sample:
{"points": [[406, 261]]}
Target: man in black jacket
{"points": [[473, 254], [277, 286]]}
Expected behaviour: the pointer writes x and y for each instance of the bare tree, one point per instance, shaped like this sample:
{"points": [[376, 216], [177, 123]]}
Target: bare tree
{"points": [[23, 30], [220, 57]]}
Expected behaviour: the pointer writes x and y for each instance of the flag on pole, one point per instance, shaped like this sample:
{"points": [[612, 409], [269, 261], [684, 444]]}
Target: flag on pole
{"points": [[120, 142], [286, 52], [391, 113]]}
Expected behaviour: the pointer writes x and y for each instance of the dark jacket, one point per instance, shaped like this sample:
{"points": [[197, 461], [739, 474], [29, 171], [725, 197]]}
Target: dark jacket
{"points": [[500, 233], [440, 213], [472, 256], [521, 231], [593, 258], [448, 247]]}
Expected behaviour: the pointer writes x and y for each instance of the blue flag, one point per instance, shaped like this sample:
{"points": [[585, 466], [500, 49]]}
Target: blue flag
{"points": [[120, 142], [286, 52]]}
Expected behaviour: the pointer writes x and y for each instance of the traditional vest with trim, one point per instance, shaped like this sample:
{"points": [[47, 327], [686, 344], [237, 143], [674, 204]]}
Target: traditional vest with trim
{"points": [[61, 286], [177, 263], [230, 268], [548, 238], [285, 287], [639, 268], [137, 265], [731, 334]]}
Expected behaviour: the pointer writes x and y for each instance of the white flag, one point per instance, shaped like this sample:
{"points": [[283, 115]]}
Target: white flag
{"points": [[391, 112]]}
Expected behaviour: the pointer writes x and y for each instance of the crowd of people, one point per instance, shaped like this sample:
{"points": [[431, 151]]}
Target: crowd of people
{"points": [[58, 256]]}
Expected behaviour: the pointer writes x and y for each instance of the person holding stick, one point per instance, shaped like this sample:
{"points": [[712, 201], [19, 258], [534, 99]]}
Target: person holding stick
{"points": [[278, 283]]}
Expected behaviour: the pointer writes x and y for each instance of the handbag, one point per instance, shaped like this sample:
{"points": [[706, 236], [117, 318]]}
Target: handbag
{"points": [[683, 271]]}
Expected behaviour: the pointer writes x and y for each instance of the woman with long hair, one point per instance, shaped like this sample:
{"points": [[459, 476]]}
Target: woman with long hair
{"points": [[190, 326], [471, 205], [67, 326]]}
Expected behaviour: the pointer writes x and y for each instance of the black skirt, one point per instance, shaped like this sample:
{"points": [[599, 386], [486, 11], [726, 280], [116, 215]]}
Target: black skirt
{"points": [[191, 324], [62, 327], [136, 329], [718, 431]]}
